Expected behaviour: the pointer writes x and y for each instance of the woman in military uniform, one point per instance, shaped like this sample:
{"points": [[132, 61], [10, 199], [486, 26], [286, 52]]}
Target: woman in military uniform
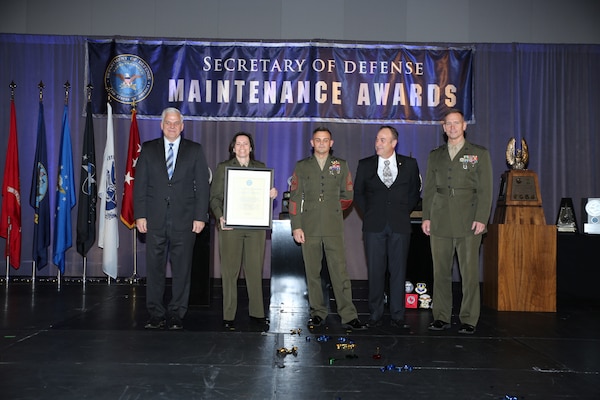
{"points": [[237, 246]]}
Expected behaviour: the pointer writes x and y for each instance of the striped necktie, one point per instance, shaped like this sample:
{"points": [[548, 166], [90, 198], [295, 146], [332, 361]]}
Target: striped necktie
{"points": [[170, 161]]}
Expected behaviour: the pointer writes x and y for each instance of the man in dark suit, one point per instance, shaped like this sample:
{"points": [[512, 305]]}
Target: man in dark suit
{"points": [[386, 190], [171, 206]]}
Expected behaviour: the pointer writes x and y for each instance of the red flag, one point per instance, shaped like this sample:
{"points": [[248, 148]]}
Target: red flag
{"points": [[132, 156], [11, 195]]}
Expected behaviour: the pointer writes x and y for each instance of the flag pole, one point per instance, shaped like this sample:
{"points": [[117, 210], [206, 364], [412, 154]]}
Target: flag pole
{"points": [[135, 274], [107, 276], [34, 263], [89, 88], [8, 250], [134, 278], [83, 276], [108, 229], [33, 266], [12, 86], [41, 87], [67, 86]]}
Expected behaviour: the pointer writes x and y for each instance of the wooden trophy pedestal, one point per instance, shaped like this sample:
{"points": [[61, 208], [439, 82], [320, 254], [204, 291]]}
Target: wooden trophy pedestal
{"points": [[520, 268], [520, 249]]}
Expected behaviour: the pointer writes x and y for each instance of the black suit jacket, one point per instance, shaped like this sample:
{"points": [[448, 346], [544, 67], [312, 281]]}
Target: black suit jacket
{"points": [[185, 195], [378, 203]]}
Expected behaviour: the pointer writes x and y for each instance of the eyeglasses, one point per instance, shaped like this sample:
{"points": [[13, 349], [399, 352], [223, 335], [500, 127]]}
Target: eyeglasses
{"points": [[172, 123]]}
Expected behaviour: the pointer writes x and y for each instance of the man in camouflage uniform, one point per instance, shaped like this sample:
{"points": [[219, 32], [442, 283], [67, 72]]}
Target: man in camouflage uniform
{"points": [[321, 190]]}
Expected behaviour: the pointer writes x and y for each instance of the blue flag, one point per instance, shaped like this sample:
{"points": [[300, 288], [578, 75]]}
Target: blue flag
{"points": [[65, 197], [38, 197]]}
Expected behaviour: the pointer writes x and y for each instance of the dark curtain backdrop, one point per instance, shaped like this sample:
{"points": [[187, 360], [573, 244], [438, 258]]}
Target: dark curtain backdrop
{"points": [[547, 94]]}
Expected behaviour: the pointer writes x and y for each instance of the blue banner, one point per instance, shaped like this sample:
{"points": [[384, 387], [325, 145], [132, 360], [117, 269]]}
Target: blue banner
{"points": [[282, 81]]}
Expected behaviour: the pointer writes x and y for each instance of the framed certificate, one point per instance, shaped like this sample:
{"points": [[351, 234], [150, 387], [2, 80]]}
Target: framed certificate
{"points": [[247, 202]]}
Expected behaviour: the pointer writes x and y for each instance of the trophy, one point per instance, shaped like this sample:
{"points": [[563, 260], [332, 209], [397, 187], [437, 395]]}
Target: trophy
{"points": [[565, 222], [591, 215], [518, 188], [517, 159], [511, 277]]}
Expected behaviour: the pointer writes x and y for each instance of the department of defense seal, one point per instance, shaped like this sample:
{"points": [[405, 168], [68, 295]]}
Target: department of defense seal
{"points": [[128, 79]]}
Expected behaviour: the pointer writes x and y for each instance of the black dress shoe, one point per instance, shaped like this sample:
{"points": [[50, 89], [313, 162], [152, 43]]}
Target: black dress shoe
{"points": [[228, 325], [260, 320], [398, 323], [373, 324], [315, 321], [467, 329], [155, 323], [175, 323], [355, 325], [439, 325]]}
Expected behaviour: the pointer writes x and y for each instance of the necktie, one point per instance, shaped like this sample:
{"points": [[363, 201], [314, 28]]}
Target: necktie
{"points": [[452, 150], [387, 174], [170, 159]]}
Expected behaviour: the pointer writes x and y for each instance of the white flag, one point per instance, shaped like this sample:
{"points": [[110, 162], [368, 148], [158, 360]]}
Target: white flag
{"points": [[108, 231]]}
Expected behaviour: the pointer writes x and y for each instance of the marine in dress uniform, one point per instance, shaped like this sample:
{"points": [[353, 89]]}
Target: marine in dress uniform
{"points": [[457, 199], [320, 191], [239, 246]]}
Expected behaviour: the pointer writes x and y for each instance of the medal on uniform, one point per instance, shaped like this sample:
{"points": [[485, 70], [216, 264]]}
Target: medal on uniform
{"points": [[468, 159], [335, 167]]}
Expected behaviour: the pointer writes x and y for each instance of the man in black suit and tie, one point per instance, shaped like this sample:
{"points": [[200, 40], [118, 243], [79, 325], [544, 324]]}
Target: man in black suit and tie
{"points": [[170, 200], [386, 190]]}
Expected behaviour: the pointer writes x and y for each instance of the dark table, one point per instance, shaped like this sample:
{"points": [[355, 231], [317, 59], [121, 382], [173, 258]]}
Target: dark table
{"points": [[578, 268]]}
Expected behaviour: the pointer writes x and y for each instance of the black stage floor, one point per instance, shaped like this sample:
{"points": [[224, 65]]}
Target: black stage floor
{"points": [[87, 342]]}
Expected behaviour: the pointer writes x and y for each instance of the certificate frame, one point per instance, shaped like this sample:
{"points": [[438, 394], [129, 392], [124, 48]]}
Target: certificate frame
{"points": [[247, 202]]}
